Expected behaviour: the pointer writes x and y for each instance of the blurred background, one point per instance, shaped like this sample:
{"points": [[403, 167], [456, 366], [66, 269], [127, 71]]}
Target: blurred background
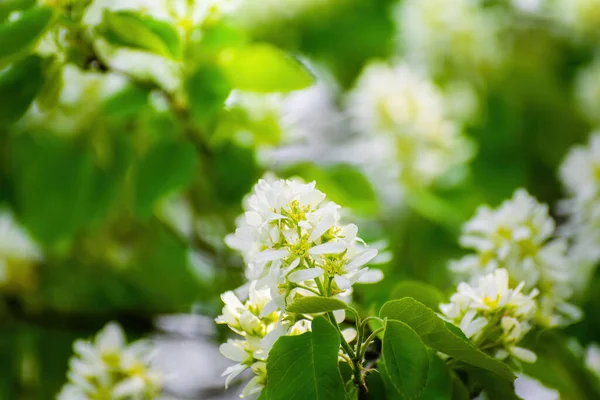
{"points": [[127, 147]]}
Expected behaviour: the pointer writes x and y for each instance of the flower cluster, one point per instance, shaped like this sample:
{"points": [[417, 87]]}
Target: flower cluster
{"points": [[459, 34], [494, 316], [259, 332], [580, 174], [109, 368], [518, 236], [18, 253], [293, 242], [408, 114]]}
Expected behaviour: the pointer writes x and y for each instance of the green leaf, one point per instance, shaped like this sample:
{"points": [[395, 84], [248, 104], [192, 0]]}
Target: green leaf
{"points": [[375, 385], [459, 390], [207, 89], [315, 304], [19, 85], [343, 183], [436, 209], [126, 103], [50, 93], [406, 360], [168, 166], [264, 68], [305, 366], [423, 292], [133, 30], [437, 334], [439, 381], [495, 389], [18, 36], [8, 6]]}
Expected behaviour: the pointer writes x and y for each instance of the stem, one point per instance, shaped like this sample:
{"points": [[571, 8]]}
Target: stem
{"points": [[307, 288], [371, 337]]}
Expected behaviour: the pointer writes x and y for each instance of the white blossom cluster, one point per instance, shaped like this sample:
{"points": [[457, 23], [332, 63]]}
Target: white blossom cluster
{"points": [[258, 331], [405, 118], [291, 238], [580, 175], [18, 252], [458, 34], [519, 236], [494, 316], [109, 368], [293, 244]]}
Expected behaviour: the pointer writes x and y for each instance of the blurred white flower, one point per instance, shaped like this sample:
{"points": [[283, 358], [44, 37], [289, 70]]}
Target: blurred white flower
{"points": [[580, 175], [18, 251], [592, 359], [519, 236], [580, 16], [403, 115], [108, 367], [494, 316], [587, 90], [460, 34]]}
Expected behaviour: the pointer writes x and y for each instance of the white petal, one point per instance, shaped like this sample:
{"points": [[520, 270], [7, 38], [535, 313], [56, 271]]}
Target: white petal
{"points": [[370, 276], [233, 352], [328, 248], [305, 274], [270, 255], [231, 372], [342, 282], [129, 388], [362, 259], [111, 338], [253, 218], [523, 354], [349, 334]]}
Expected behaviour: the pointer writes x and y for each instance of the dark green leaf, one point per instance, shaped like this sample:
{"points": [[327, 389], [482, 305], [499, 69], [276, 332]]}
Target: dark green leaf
{"points": [[375, 385], [128, 102], [435, 333], [264, 68], [495, 389], [168, 166], [18, 36], [305, 366], [207, 88], [459, 390], [314, 305], [18, 87], [439, 381], [423, 292], [406, 360]]}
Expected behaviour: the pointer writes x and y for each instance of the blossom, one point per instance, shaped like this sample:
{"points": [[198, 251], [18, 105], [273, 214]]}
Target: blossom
{"points": [[494, 316], [108, 367], [258, 331], [461, 34], [18, 251], [580, 175], [406, 119], [290, 235], [519, 236]]}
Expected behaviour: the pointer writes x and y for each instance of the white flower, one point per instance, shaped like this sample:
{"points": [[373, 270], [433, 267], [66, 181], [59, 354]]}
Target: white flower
{"points": [[580, 174], [592, 359], [519, 236], [460, 33], [108, 366], [289, 236], [18, 252], [488, 304], [405, 117], [580, 16]]}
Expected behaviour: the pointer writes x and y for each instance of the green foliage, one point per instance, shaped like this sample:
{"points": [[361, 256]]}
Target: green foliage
{"points": [[17, 36], [424, 293], [19, 85], [263, 68], [439, 380], [132, 30], [154, 180], [315, 305], [207, 89], [406, 360], [441, 335], [305, 366]]}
